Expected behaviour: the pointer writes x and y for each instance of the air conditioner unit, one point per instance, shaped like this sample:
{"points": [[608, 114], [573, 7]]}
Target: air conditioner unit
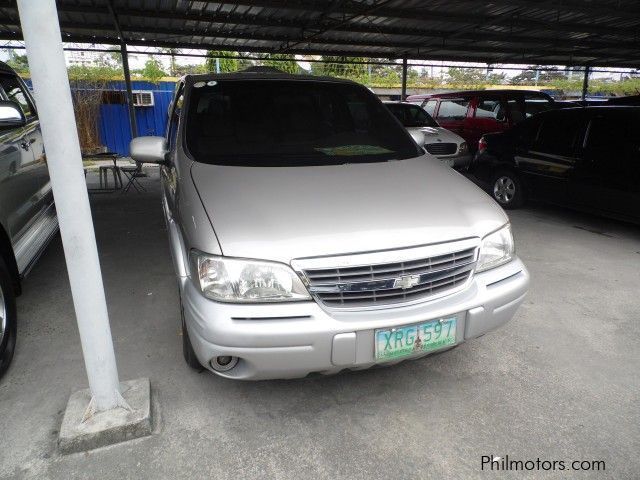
{"points": [[143, 98]]}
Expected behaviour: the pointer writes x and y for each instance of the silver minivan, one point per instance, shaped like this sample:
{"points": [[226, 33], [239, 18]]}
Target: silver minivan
{"points": [[310, 234]]}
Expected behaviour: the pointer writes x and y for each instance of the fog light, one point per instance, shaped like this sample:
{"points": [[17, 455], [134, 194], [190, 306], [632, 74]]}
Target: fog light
{"points": [[223, 363]]}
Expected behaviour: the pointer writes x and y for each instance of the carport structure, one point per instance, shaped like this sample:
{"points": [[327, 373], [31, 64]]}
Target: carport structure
{"points": [[573, 32], [576, 33]]}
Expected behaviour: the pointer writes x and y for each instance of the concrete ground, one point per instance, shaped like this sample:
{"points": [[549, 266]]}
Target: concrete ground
{"points": [[560, 382]]}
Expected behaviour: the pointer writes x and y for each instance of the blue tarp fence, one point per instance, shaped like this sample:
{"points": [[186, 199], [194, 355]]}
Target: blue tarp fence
{"points": [[114, 127]]}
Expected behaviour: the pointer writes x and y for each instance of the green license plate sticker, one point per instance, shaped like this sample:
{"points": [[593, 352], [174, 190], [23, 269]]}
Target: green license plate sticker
{"points": [[411, 339]]}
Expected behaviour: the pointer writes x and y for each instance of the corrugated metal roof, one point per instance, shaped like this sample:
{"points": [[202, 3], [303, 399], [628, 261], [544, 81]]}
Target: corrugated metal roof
{"points": [[572, 32]]}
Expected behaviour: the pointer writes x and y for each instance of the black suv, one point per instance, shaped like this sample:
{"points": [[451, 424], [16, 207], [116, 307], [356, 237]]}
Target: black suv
{"points": [[583, 158]]}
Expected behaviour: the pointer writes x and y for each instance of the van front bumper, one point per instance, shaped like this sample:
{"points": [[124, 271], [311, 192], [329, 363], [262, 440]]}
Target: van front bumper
{"points": [[291, 340]]}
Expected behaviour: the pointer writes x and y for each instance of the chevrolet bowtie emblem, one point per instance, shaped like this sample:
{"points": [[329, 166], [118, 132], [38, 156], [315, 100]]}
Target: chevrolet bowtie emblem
{"points": [[406, 281]]}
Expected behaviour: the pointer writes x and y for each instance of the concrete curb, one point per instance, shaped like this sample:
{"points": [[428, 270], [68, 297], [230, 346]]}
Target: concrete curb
{"points": [[106, 428]]}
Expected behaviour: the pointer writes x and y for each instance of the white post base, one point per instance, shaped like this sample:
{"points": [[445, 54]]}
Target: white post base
{"points": [[133, 419]]}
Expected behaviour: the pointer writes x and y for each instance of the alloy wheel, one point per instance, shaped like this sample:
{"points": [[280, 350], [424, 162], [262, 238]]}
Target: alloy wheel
{"points": [[504, 189]]}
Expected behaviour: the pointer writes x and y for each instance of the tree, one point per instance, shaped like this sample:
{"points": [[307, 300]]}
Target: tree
{"points": [[224, 62], [345, 67], [469, 77], [18, 62], [534, 75], [281, 61], [191, 68], [172, 62], [93, 74], [152, 70]]}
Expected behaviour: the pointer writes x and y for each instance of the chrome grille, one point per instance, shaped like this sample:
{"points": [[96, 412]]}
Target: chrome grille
{"points": [[441, 148], [389, 283]]}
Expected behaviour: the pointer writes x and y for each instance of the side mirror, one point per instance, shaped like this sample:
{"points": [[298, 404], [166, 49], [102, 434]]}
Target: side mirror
{"points": [[11, 115], [148, 149], [417, 136]]}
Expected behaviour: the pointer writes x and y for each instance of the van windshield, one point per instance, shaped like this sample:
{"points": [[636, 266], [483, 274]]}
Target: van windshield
{"points": [[290, 123]]}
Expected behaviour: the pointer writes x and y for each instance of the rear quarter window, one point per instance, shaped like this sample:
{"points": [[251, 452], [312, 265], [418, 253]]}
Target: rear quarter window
{"points": [[453, 109]]}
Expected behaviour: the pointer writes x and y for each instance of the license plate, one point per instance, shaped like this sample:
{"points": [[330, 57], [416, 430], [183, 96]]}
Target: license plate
{"points": [[412, 339]]}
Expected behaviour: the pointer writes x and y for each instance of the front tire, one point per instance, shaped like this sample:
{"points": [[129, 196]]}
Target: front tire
{"points": [[187, 349], [507, 189], [8, 319]]}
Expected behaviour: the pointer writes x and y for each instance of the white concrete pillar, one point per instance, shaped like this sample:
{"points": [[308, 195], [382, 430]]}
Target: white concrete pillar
{"points": [[41, 31]]}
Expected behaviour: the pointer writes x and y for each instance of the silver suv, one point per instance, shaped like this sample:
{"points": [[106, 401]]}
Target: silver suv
{"points": [[27, 213], [310, 234]]}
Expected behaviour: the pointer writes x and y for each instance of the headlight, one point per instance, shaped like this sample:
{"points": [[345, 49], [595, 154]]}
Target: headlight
{"points": [[244, 281], [496, 249], [463, 148]]}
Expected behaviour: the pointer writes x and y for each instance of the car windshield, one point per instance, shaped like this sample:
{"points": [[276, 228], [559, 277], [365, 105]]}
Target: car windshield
{"points": [[290, 123], [411, 115]]}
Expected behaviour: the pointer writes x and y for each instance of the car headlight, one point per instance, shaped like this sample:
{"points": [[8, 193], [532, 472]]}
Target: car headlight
{"points": [[245, 281], [496, 249], [463, 148]]}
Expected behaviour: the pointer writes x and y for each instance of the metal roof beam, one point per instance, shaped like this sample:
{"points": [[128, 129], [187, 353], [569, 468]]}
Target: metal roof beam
{"points": [[352, 8], [405, 47], [402, 48], [571, 6], [391, 49], [516, 21], [257, 20], [369, 53]]}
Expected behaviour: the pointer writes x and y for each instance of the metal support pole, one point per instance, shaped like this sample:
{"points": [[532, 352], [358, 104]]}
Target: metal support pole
{"points": [[127, 80], [585, 82], [404, 79], [55, 109]]}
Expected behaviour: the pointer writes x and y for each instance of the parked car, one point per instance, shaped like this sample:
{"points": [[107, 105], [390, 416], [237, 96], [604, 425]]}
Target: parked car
{"points": [[438, 141], [313, 235], [27, 213], [474, 113], [584, 158]]}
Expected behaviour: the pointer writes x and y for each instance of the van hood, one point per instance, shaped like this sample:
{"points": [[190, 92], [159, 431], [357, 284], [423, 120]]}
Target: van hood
{"points": [[438, 134], [284, 213]]}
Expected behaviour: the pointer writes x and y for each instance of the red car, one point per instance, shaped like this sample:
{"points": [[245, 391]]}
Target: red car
{"points": [[471, 114]]}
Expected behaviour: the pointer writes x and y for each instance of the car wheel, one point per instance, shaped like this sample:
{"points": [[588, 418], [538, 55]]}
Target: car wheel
{"points": [[507, 189], [187, 349], [8, 317]]}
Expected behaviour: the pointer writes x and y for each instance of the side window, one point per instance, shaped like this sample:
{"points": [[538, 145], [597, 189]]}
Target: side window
{"points": [[174, 117], [15, 92], [558, 134], [430, 106], [535, 104], [453, 109], [492, 108], [516, 110]]}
